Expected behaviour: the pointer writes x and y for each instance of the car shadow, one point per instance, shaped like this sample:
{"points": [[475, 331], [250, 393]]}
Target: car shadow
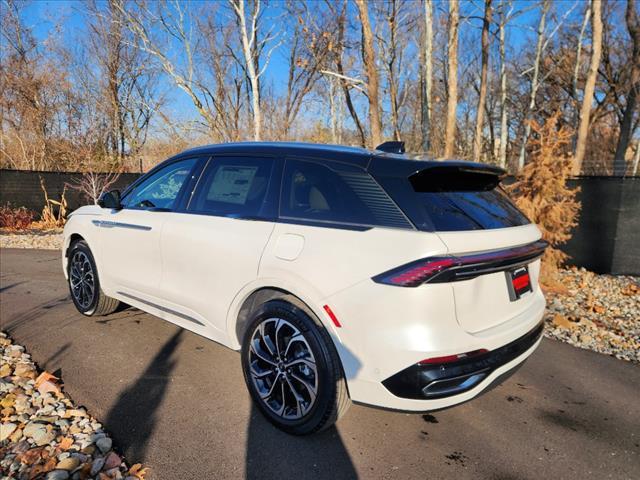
{"points": [[272, 453], [132, 419]]}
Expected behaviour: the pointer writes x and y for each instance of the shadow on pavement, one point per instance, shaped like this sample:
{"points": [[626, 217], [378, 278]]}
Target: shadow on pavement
{"points": [[132, 418], [275, 454]]}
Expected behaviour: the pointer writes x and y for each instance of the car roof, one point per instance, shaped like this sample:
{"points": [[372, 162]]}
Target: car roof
{"points": [[356, 155], [389, 163]]}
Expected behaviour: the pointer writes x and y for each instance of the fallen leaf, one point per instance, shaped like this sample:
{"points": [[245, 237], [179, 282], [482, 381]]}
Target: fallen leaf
{"points": [[32, 456], [137, 471], [562, 321], [65, 443], [45, 377]]}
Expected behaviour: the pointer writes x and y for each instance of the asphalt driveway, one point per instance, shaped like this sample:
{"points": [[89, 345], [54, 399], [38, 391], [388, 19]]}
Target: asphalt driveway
{"points": [[177, 402]]}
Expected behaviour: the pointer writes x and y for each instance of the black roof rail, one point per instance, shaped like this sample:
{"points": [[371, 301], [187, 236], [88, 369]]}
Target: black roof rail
{"points": [[391, 147]]}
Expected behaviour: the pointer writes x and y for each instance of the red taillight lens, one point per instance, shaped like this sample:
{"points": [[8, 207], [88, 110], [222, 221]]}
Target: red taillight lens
{"points": [[452, 358], [420, 273], [462, 267]]}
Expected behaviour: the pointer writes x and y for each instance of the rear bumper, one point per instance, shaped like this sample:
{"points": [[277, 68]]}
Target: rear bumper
{"points": [[434, 381]]}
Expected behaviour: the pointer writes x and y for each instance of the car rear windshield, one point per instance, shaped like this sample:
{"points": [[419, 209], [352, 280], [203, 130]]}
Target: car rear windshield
{"points": [[454, 199]]}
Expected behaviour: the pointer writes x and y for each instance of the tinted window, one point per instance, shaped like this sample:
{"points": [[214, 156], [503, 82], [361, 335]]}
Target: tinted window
{"points": [[160, 189], [454, 211], [336, 193], [233, 186], [445, 203]]}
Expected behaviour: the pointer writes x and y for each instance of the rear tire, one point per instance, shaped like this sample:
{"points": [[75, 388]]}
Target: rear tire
{"points": [[292, 369], [84, 284]]}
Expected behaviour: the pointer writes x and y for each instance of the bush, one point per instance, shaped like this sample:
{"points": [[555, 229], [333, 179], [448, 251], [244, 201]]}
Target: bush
{"points": [[15, 218], [541, 191]]}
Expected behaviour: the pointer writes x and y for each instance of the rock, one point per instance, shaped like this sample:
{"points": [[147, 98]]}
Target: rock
{"points": [[41, 434], [104, 444], [24, 370], [5, 370], [6, 429], [112, 461], [76, 412], [562, 321], [96, 466], [69, 463], [57, 475]]}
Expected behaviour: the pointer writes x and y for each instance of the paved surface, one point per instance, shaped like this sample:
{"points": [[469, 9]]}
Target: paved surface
{"points": [[177, 402]]}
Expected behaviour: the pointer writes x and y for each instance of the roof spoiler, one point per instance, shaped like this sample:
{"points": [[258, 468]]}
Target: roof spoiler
{"points": [[391, 147], [456, 176]]}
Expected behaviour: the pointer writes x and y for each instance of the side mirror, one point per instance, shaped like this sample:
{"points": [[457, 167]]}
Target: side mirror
{"points": [[110, 200]]}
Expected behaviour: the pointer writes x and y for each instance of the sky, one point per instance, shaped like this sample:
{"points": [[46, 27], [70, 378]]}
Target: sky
{"points": [[43, 14]]}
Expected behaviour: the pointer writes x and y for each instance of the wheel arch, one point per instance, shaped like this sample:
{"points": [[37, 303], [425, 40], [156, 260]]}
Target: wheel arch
{"points": [[250, 298]]}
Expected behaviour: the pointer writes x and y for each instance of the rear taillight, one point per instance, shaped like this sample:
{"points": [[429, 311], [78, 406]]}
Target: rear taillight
{"points": [[453, 358], [460, 267]]}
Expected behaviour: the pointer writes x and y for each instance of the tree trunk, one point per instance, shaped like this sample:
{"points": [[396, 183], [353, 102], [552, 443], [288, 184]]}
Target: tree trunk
{"points": [[636, 160], [590, 84], [482, 98], [427, 76], [369, 60], [345, 88], [452, 67], [534, 84], [633, 26], [504, 133], [250, 65]]}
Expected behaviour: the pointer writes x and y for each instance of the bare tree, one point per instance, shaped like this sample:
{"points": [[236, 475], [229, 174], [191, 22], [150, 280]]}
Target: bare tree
{"points": [[482, 98], [369, 60], [589, 88], [633, 27], [534, 82], [251, 48], [452, 66], [93, 184]]}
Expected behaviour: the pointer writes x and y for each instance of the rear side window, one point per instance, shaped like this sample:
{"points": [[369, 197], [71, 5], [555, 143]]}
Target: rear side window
{"points": [[331, 192], [233, 186], [454, 199]]}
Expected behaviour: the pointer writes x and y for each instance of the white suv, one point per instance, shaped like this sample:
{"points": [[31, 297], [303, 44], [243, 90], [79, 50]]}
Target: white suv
{"points": [[340, 273]]}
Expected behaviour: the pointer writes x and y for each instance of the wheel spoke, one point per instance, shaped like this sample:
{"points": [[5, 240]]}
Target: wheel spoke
{"points": [[261, 374], [305, 361], [279, 325], [272, 388], [295, 338], [307, 385], [267, 341], [298, 398], [255, 348]]}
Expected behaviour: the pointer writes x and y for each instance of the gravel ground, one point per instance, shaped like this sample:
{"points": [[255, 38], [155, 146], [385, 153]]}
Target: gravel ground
{"points": [[596, 312], [39, 239], [43, 434]]}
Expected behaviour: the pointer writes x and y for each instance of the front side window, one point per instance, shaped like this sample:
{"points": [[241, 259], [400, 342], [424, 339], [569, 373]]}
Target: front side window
{"points": [[161, 189], [335, 193], [233, 187]]}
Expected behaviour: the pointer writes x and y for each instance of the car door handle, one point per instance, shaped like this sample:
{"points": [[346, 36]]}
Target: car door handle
{"points": [[110, 224]]}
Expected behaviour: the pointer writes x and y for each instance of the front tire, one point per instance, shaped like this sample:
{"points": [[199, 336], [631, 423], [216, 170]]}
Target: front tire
{"points": [[84, 284], [292, 370]]}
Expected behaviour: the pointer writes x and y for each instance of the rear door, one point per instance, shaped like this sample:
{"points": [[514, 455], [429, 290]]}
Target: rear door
{"points": [[465, 206], [212, 249]]}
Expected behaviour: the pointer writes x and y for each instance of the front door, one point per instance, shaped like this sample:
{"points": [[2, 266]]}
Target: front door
{"points": [[130, 237]]}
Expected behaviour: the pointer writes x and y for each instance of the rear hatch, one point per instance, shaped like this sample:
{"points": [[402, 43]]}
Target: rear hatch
{"points": [[495, 248]]}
